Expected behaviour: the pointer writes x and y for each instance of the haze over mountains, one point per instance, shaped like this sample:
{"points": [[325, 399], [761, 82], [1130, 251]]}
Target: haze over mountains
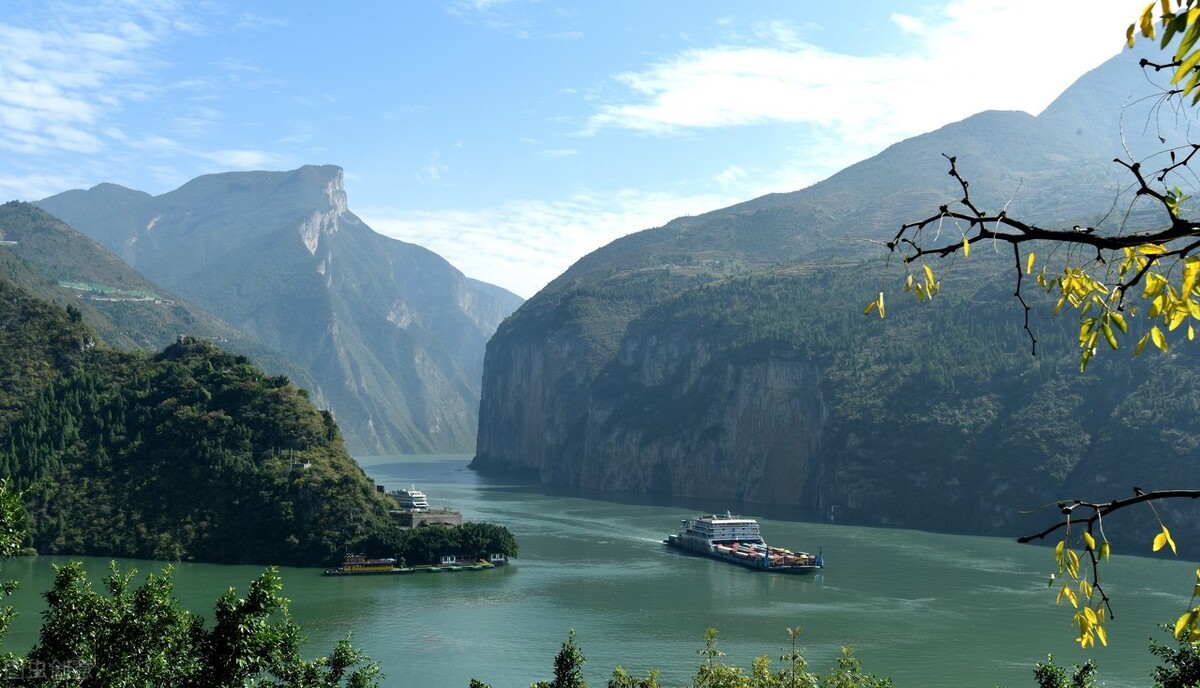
{"points": [[724, 357], [391, 333]]}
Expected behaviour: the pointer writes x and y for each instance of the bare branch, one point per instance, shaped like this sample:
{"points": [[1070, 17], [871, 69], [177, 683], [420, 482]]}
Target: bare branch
{"points": [[1102, 509]]}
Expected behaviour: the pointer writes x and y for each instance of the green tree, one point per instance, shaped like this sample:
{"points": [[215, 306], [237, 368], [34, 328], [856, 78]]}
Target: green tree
{"points": [[568, 666], [1179, 666], [1136, 277], [140, 636], [849, 674], [621, 679], [1050, 675]]}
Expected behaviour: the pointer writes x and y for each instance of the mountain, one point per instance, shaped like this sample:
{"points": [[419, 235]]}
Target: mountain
{"points": [[724, 358], [392, 334], [189, 453], [127, 311]]}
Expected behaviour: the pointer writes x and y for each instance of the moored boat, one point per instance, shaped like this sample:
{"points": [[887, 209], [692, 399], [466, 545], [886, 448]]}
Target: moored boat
{"points": [[411, 499], [357, 565], [739, 541]]}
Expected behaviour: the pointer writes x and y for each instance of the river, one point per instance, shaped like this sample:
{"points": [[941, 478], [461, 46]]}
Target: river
{"points": [[925, 609]]}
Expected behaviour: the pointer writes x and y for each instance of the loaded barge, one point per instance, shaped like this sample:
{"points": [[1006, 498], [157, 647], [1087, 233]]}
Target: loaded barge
{"points": [[358, 565], [739, 541]]}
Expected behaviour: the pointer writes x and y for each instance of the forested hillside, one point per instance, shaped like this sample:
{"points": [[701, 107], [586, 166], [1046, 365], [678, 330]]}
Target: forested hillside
{"points": [[725, 357], [191, 453], [127, 311]]}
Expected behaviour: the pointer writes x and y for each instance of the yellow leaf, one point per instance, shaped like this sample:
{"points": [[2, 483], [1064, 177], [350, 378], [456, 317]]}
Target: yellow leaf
{"points": [[1129, 35], [1105, 550], [1108, 335], [880, 302], [1146, 21], [1188, 64], [1103, 635], [1073, 564], [1156, 306], [1151, 249], [1185, 622], [1177, 318], [908, 283], [1089, 541], [870, 307], [1191, 269], [928, 274], [966, 247], [1164, 538], [1029, 264], [1120, 321], [1137, 351], [1159, 340]]}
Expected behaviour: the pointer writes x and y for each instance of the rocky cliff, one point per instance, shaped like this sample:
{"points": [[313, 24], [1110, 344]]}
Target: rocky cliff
{"points": [[725, 357]]}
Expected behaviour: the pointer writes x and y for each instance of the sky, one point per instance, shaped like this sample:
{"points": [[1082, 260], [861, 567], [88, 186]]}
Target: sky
{"points": [[512, 137]]}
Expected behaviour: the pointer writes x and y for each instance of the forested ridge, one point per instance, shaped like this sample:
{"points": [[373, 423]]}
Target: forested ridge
{"points": [[191, 453]]}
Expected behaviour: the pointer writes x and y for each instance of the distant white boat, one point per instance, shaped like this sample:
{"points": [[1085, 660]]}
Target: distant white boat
{"points": [[411, 499]]}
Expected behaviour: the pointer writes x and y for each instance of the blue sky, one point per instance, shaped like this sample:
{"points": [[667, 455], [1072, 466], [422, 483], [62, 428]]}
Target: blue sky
{"points": [[514, 136]]}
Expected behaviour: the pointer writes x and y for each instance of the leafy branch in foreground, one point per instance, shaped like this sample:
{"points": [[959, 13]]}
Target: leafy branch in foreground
{"points": [[1105, 264], [1099, 281], [1085, 592], [1140, 275]]}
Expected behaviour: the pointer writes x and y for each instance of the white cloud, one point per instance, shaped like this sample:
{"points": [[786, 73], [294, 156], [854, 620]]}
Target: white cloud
{"points": [[58, 79], [730, 176], [558, 152], [35, 185], [971, 55], [240, 159]]}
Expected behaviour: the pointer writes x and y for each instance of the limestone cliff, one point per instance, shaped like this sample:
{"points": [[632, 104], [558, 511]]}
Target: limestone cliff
{"points": [[725, 358]]}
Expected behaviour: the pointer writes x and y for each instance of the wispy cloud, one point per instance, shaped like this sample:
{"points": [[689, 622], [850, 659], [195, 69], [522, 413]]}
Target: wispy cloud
{"points": [[62, 76], [959, 60], [558, 152]]}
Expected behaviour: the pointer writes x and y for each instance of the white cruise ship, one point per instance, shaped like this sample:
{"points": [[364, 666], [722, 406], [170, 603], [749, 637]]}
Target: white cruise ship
{"points": [[412, 499]]}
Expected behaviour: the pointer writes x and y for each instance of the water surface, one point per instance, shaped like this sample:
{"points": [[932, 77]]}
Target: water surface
{"points": [[925, 609]]}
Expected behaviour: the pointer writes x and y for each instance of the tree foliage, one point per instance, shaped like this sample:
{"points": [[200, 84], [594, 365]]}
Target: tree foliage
{"points": [[428, 544], [1136, 277], [714, 673], [169, 455], [140, 636]]}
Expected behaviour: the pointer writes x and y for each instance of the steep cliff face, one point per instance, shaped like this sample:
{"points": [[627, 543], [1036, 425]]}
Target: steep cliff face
{"points": [[724, 357]]}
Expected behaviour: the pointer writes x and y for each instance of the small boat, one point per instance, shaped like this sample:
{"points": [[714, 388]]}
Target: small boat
{"points": [[355, 564], [738, 540]]}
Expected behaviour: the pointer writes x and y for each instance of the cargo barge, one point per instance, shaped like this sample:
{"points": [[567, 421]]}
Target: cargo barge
{"points": [[738, 540], [358, 565]]}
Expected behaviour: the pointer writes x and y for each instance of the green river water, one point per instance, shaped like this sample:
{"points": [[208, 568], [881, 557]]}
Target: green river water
{"points": [[925, 609]]}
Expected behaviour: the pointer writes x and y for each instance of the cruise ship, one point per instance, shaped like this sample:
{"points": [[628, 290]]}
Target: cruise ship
{"points": [[411, 499], [739, 541]]}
